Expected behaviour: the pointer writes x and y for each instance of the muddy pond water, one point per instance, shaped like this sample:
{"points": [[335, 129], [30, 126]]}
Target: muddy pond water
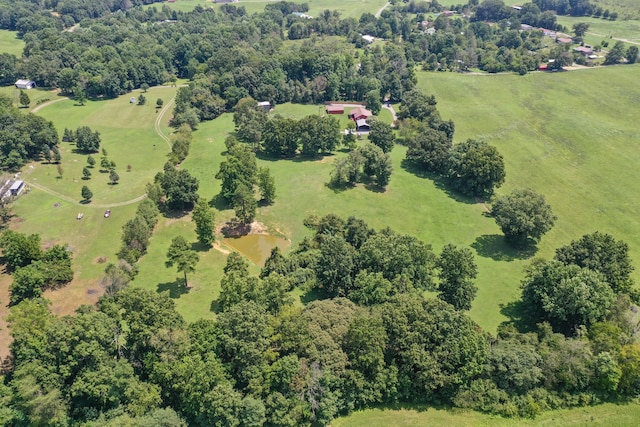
{"points": [[256, 247]]}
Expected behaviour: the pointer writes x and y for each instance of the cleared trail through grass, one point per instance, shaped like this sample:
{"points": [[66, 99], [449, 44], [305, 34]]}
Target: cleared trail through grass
{"points": [[69, 199]]}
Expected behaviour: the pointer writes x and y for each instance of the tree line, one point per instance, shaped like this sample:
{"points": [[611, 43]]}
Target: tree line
{"points": [[369, 338]]}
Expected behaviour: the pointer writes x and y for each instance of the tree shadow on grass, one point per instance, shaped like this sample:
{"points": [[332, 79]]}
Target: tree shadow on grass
{"points": [[176, 288], [199, 247], [494, 246], [219, 203], [518, 316], [439, 181], [215, 306]]}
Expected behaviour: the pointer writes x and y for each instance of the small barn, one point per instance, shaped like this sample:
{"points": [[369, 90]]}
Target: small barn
{"points": [[25, 84], [265, 104], [335, 109], [359, 113], [362, 125], [16, 188]]}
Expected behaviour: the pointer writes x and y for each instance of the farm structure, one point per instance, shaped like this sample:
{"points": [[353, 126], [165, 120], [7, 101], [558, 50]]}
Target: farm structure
{"points": [[359, 113], [335, 109], [25, 84]]}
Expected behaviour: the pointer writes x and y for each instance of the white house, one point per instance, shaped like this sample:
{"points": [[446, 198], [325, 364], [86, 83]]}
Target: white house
{"points": [[25, 84]]}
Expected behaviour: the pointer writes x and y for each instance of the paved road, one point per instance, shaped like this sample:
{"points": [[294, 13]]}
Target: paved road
{"points": [[157, 127]]}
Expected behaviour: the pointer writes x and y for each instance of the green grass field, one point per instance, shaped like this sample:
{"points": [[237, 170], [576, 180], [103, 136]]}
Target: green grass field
{"points": [[10, 43], [571, 136], [602, 29], [128, 135], [607, 415], [347, 8], [37, 96], [627, 9]]}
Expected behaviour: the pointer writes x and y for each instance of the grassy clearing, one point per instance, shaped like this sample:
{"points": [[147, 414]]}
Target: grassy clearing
{"points": [[347, 8], [560, 136], [10, 43], [128, 135], [37, 96], [627, 9], [602, 29], [608, 415]]}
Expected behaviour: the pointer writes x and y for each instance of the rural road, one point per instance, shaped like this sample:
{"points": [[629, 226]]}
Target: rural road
{"points": [[157, 128], [378, 13]]}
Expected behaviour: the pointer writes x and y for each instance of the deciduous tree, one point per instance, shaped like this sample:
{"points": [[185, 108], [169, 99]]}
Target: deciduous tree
{"points": [[456, 270], [204, 219], [523, 216], [182, 256], [475, 168]]}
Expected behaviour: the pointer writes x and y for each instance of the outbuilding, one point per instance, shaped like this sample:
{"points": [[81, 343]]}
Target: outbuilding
{"points": [[16, 188], [335, 109], [25, 84], [265, 104], [362, 125]]}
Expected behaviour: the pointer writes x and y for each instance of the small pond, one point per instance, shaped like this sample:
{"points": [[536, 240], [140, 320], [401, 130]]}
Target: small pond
{"points": [[256, 247]]}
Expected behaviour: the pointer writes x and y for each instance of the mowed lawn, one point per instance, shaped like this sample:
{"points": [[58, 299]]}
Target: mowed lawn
{"points": [[606, 415], [347, 8], [129, 137], [571, 136], [10, 43]]}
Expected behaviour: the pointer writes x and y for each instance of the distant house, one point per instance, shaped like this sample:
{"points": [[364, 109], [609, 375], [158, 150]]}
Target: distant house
{"points": [[362, 125], [225, 1], [25, 84], [265, 104], [335, 109], [548, 33], [525, 27], [564, 40], [585, 50], [368, 39], [518, 8], [302, 15], [359, 113], [448, 12], [16, 188]]}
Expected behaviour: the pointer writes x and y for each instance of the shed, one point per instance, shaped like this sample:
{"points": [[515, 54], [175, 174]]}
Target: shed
{"points": [[16, 188], [25, 84], [368, 39], [265, 104], [359, 113], [564, 40], [586, 51], [335, 109], [361, 124]]}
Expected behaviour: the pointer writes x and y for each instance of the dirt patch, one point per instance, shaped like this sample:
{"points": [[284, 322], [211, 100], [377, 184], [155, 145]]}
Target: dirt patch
{"points": [[100, 260], [237, 229], [66, 300], [5, 333], [219, 248]]}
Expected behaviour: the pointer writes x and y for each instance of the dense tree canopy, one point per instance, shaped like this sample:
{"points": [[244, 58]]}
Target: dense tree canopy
{"points": [[523, 215]]}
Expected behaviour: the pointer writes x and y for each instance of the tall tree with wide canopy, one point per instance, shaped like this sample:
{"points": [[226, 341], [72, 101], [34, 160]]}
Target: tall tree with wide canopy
{"points": [[475, 168], [601, 252], [523, 215]]}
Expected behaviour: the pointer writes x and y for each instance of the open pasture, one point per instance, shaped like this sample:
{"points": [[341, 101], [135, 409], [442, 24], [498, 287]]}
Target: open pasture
{"points": [[571, 136], [607, 415], [347, 8], [10, 43], [602, 29], [52, 205]]}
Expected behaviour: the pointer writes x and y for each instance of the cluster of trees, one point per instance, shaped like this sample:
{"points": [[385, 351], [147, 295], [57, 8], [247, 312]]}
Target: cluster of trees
{"points": [[86, 140], [174, 188], [367, 163], [34, 270], [137, 231], [240, 174], [309, 136], [25, 137], [473, 168], [180, 144], [372, 338]]}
